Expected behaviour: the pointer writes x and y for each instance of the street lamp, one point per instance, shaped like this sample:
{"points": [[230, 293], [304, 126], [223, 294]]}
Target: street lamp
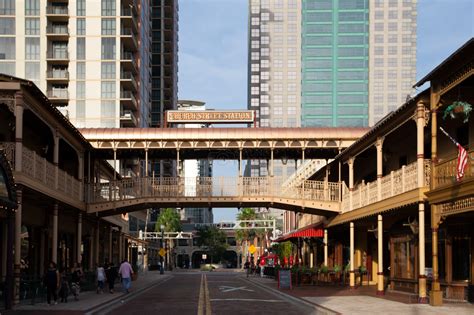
{"points": [[162, 270]]}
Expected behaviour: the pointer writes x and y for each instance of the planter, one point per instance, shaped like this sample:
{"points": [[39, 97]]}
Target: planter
{"points": [[305, 278]]}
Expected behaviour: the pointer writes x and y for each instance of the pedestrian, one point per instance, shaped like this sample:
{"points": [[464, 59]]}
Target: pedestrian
{"points": [[64, 288], [111, 274], [100, 274], [126, 272], [76, 275], [51, 280]]}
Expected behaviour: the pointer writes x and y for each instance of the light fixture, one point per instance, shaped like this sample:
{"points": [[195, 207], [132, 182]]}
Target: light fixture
{"points": [[284, 159]]}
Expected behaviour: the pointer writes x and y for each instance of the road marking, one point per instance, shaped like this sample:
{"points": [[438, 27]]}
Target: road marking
{"points": [[225, 288], [248, 300], [204, 305]]}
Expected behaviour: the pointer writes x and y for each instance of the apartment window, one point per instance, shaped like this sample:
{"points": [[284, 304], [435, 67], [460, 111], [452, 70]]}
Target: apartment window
{"points": [[32, 7], [81, 89], [7, 7], [407, 50], [265, 63], [392, 3], [255, 21], [264, 111], [278, 28], [7, 26], [291, 75], [291, 87], [278, 51], [379, 15], [81, 7], [292, 4], [254, 102], [265, 99], [278, 75], [407, 14], [255, 9], [265, 16], [265, 40], [255, 32], [264, 122], [32, 71], [255, 79], [291, 110], [378, 50], [392, 98], [265, 75], [32, 26], [81, 26], [108, 70], [291, 98], [278, 87], [392, 26], [291, 16], [81, 70], [108, 48], [407, 26], [406, 62], [379, 62], [278, 16], [392, 50], [278, 111], [107, 89], [108, 7], [7, 48], [108, 26], [80, 109], [392, 62], [277, 122], [393, 15], [392, 38], [255, 67], [379, 27], [378, 75], [255, 90], [379, 39], [292, 63], [255, 56], [278, 63], [291, 28], [81, 48], [264, 28], [32, 48], [264, 87], [278, 99], [107, 113], [255, 44], [265, 52]]}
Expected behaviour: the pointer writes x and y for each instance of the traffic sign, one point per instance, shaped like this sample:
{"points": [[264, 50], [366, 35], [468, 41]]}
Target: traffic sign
{"points": [[252, 249], [162, 252]]}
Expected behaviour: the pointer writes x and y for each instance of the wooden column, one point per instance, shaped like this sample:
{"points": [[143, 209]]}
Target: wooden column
{"points": [[17, 257], [351, 181], [436, 295], [146, 162], [380, 278], [325, 247], [379, 147], [79, 238], [352, 271], [54, 243]]}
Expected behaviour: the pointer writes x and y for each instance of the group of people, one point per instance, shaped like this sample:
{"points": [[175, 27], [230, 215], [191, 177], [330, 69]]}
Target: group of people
{"points": [[57, 282]]}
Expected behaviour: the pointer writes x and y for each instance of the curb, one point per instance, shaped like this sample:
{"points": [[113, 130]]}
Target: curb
{"points": [[112, 304], [319, 308]]}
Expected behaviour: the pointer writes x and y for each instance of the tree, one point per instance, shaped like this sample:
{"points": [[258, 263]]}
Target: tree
{"points": [[246, 214], [169, 217], [213, 241]]}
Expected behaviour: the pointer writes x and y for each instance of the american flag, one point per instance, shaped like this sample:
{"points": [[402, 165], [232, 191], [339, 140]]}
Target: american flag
{"points": [[462, 157], [462, 162]]}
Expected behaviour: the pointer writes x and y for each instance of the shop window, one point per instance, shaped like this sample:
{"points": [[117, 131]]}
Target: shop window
{"points": [[461, 259]]}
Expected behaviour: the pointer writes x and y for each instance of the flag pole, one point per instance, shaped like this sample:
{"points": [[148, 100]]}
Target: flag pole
{"points": [[447, 135]]}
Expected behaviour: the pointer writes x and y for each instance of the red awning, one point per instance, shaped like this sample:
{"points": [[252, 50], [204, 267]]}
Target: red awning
{"points": [[313, 230]]}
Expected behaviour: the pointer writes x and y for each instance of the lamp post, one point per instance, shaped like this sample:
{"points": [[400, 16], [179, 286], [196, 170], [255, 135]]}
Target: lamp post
{"points": [[162, 270]]}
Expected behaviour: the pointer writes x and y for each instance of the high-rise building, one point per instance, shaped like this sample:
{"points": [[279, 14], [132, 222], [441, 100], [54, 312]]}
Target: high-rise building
{"points": [[91, 58], [330, 63], [164, 64], [194, 170]]}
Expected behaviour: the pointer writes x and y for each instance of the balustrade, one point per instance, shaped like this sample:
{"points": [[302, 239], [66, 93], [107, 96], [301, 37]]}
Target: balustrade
{"points": [[446, 170]]}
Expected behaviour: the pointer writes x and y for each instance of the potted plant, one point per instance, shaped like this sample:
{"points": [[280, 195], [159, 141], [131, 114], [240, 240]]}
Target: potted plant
{"points": [[324, 270], [314, 275], [305, 275], [362, 273], [295, 273], [456, 108], [337, 273], [347, 269]]}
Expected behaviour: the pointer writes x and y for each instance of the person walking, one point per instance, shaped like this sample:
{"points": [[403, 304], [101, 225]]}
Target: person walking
{"points": [[51, 280], [100, 273], [126, 272], [76, 275], [111, 274]]}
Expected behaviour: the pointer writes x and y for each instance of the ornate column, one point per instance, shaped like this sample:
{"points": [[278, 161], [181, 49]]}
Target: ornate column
{"points": [[54, 244], [79, 238], [379, 147], [240, 162], [18, 131], [115, 163], [17, 257], [351, 181], [271, 162], [436, 295], [380, 278], [178, 164], [352, 271], [325, 247]]}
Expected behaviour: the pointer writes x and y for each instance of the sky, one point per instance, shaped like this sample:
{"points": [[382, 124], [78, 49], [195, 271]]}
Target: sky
{"points": [[213, 53]]}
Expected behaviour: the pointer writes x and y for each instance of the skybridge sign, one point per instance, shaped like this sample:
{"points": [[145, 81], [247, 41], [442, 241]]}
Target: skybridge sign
{"points": [[210, 116]]}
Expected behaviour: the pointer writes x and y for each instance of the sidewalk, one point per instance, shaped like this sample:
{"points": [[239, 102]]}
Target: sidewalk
{"points": [[90, 300], [363, 300]]}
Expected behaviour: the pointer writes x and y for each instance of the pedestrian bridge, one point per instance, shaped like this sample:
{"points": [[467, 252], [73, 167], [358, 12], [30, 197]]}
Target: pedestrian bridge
{"points": [[120, 196]]}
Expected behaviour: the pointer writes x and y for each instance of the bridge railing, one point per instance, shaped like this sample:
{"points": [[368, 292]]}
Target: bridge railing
{"points": [[207, 187]]}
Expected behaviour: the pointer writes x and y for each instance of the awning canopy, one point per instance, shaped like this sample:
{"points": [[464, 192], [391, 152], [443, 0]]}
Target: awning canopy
{"points": [[314, 230]]}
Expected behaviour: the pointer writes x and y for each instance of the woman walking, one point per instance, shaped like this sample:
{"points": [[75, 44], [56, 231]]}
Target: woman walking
{"points": [[51, 280], [111, 273], [76, 280], [100, 279]]}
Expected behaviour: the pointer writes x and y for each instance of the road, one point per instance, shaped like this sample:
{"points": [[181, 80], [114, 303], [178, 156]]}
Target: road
{"points": [[209, 293]]}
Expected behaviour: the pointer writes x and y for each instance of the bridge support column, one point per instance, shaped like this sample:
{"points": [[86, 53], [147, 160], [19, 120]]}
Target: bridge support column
{"points": [[271, 162], [302, 156], [380, 278], [352, 271], [115, 163], [146, 162], [240, 162], [325, 247]]}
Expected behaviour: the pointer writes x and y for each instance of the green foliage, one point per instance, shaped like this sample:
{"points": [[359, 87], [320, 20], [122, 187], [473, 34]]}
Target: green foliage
{"points": [[169, 217], [452, 109], [362, 269], [295, 268], [213, 241], [337, 268], [246, 214], [324, 269], [286, 249]]}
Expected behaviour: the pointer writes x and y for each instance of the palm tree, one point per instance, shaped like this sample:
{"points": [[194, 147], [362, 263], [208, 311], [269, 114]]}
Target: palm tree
{"points": [[170, 219], [244, 236]]}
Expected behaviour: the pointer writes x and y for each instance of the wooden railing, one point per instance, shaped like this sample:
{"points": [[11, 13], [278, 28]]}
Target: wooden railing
{"points": [[395, 183], [44, 172], [210, 187], [446, 170]]}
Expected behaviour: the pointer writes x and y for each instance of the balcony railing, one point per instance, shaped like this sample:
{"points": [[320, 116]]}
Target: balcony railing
{"points": [[60, 55], [393, 184], [62, 94], [57, 10], [127, 75], [446, 170], [44, 172], [127, 117], [57, 74], [57, 30]]}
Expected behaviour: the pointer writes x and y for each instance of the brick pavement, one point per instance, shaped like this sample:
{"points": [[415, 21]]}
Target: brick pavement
{"points": [[363, 300], [90, 300]]}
